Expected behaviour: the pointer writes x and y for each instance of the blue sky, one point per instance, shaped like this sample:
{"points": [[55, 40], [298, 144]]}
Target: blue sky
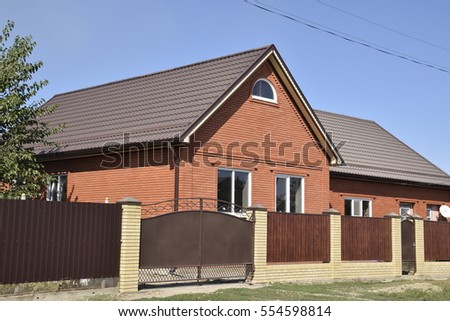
{"points": [[88, 42]]}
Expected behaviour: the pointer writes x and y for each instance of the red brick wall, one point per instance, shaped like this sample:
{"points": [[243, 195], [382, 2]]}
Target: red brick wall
{"points": [[90, 181], [386, 197]]}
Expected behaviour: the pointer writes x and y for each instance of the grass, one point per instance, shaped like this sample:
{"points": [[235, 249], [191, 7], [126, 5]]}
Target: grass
{"points": [[401, 290], [397, 290]]}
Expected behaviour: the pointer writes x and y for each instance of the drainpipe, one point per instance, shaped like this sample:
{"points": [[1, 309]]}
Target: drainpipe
{"points": [[176, 162]]}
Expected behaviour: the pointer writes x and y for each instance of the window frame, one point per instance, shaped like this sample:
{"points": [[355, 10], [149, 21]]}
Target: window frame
{"points": [[411, 207], [288, 192], [233, 188], [275, 98], [429, 210], [59, 191], [361, 209]]}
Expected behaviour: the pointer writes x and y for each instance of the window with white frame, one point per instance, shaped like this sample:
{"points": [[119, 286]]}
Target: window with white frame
{"points": [[289, 194], [264, 90], [432, 212], [233, 187], [358, 207], [406, 208], [57, 188]]}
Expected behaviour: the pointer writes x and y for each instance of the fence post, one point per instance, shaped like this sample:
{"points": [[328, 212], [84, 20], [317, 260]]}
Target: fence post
{"points": [[420, 245], [129, 247], [335, 241], [396, 228], [260, 243]]}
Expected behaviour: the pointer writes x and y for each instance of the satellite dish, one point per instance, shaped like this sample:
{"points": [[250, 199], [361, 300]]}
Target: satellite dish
{"points": [[445, 211]]}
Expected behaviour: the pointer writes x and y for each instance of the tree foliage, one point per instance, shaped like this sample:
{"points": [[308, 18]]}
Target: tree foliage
{"points": [[20, 118]]}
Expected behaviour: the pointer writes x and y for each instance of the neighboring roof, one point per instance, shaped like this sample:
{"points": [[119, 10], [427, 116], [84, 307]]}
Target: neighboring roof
{"points": [[371, 151], [167, 105]]}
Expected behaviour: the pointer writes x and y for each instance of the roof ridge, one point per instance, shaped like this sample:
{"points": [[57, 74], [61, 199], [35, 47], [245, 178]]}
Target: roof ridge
{"points": [[162, 71]]}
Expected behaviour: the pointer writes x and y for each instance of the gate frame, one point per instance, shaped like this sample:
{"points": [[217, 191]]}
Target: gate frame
{"points": [[200, 206]]}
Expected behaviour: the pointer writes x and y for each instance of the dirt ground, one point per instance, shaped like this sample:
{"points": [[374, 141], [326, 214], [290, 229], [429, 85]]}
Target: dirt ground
{"points": [[406, 287], [160, 291]]}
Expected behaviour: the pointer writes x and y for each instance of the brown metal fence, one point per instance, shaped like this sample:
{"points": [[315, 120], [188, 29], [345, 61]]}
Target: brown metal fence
{"points": [[437, 241], [50, 241], [298, 238], [365, 238]]}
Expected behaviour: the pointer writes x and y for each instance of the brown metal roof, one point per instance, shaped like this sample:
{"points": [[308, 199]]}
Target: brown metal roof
{"points": [[371, 151], [154, 107]]}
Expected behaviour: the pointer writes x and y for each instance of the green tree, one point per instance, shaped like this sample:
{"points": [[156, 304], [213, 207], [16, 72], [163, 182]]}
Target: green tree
{"points": [[20, 118]]}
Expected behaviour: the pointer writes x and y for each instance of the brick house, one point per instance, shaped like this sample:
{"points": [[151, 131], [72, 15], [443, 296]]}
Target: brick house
{"points": [[236, 128]]}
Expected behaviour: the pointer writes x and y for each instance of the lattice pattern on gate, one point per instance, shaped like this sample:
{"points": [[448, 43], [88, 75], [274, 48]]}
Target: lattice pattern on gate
{"points": [[193, 204], [196, 273]]}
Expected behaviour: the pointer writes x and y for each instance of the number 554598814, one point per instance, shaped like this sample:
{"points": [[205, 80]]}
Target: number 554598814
{"points": [[295, 310]]}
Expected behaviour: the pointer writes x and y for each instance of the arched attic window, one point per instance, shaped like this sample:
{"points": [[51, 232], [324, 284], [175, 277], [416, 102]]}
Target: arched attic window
{"points": [[264, 90]]}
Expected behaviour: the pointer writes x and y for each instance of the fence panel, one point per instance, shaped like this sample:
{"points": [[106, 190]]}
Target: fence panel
{"points": [[437, 241], [298, 238], [366, 238], [51, 241]]}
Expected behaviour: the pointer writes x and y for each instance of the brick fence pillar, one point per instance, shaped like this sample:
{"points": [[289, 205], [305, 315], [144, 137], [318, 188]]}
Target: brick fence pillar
{"points": [[130, 242], [260, 243], [420, 245], [396, 228], [335, 241]]}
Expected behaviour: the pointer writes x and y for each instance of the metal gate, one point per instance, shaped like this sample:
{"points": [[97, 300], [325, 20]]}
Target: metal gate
{"points": [[408, 245], [195, 242]]}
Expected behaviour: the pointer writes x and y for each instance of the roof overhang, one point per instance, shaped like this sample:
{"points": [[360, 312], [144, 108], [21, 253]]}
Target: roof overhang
{"points": [[109, 150], [375, 179]]}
